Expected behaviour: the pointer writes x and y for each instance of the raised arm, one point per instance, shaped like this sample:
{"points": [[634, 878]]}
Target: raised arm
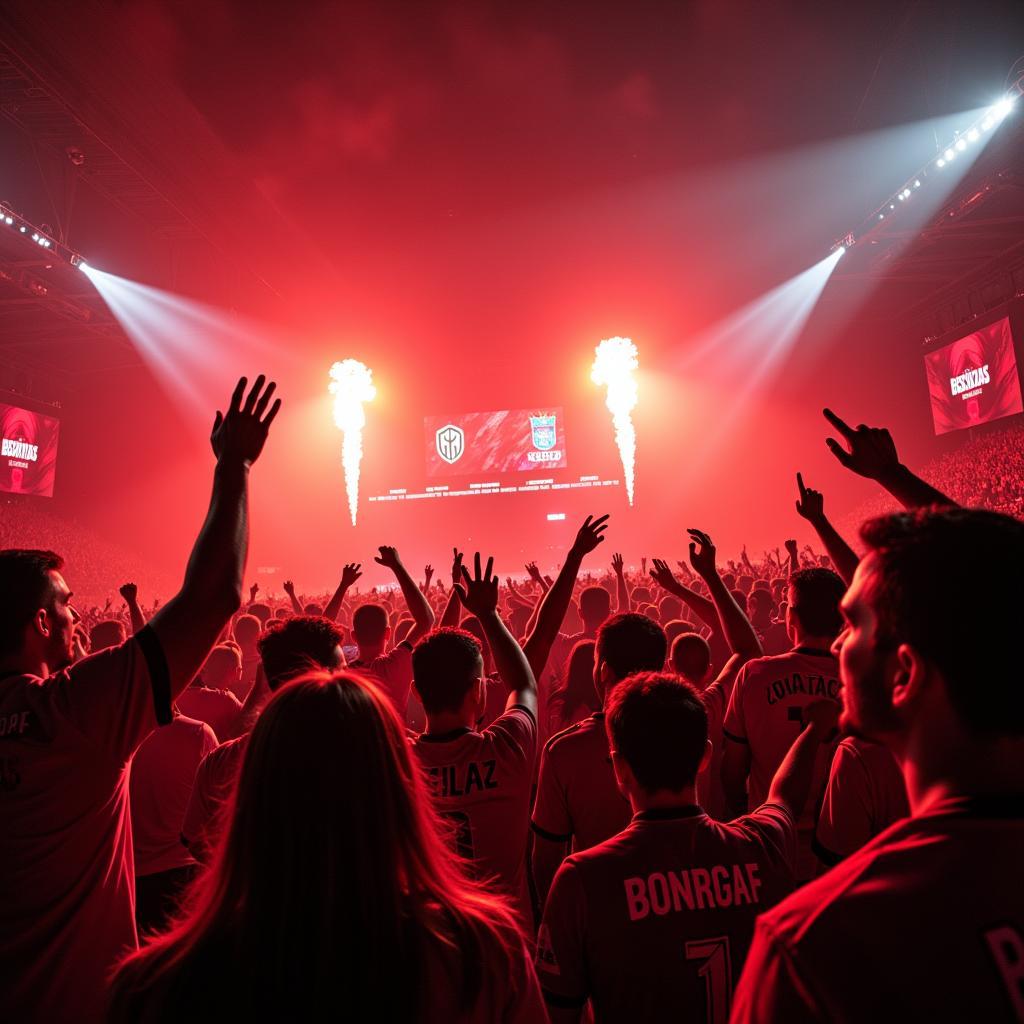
{"points": [[811, 506], [739, 633], [130, 593], [289, 589], [450, 616], [415, 599], [620, 584], [701, 606], [556, 601], [535, 575], [349, 575], [479, 595], [872, 454], [791, 785], [188, 625]]}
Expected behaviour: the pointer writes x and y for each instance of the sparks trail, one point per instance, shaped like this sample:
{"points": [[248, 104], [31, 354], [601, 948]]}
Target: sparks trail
{"points": [[615, 360], [352, 385]]}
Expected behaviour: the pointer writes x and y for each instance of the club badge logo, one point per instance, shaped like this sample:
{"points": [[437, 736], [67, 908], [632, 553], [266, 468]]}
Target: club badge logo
{"points": [[451, 443], [543, 429]]}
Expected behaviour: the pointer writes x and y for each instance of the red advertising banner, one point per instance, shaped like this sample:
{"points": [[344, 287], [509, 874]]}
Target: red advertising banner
{"points": [[974, 380], [28, 451], [491, 443]]}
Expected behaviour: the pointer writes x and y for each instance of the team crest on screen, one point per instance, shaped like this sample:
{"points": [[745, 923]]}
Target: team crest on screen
{"points": [[451, 443], [543, 428]]}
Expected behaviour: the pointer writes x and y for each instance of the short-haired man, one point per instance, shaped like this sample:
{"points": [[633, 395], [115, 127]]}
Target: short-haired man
{"points": [[577, 800], [653, 924], [211, 697], [481, 780], [926, 922], [766, 707], [288, 648], [68, 732]]}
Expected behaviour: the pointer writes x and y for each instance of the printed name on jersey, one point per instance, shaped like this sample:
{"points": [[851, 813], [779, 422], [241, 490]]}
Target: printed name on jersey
{"points": [[812, 686], [452, 780], [724, 885]]}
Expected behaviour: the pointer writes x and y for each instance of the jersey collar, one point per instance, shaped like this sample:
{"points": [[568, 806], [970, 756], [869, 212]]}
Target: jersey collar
{"points": [[669, 813], [816, 652], [445, 737]]}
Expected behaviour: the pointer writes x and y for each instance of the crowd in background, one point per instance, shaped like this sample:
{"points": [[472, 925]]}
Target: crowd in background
{"points": [[774, 788]]}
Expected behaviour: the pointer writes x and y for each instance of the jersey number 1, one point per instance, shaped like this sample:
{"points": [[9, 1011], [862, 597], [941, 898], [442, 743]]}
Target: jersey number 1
{"points": [[716, 970]]}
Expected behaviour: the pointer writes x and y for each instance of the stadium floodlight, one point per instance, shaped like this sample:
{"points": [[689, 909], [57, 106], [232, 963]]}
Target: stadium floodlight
{"points": [[961, 145], [950, 154], [941, 162], [972, 135], [1002, 108]]}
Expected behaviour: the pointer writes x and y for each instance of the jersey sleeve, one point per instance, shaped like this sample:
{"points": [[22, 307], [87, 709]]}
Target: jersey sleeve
{"points": [[771, 988], [116, 697], [845, 822], [208, 794], [734, 727], [561, 965], [514, 734], [774, 830], [551, 818]]}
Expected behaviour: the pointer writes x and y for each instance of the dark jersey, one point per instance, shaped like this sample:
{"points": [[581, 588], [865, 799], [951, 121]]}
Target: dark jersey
{"points": [[924, 923], [654, 924]]}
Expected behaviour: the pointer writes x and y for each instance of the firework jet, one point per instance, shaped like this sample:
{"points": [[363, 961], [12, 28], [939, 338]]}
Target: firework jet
{"points": [[615, 360], [352, 385]]}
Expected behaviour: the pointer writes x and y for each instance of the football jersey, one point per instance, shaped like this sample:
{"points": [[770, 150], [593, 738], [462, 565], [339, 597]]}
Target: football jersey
{"points": [[393, 673], [654, 924], [220, 709], [163, 771], [577, 795], [214, 783], [67, 899], [481, 784], [765, 712], [864, 796], [925, 923]]}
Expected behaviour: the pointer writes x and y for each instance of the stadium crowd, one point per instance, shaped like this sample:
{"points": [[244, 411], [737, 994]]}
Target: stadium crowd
{"points": [[786, 788]]}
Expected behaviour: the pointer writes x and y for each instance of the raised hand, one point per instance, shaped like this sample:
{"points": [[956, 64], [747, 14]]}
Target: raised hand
{"points": [[479, 592], [533, 571], [253, 591], [822, 715], [388, 557], [590, 535], [811, 503], [702, 553], [239, 435], [456, 566], [289, 588], [130, 592], [872, 451], [791, 548], [662, 574], [350, 573], [617, 564], [643, 564]]}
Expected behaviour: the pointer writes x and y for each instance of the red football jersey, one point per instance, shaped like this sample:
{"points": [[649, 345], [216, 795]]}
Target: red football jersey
{"points": [[765, 712], [481, 783], [67, 887], [577, 796], [864, 796], [654, 924], [925, 923]]}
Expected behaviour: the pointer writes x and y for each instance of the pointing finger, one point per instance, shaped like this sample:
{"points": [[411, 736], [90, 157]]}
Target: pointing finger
{"points": [[841, 425]]}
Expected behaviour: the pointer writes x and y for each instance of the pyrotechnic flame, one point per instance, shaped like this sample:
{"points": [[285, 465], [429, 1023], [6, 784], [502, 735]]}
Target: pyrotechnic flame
{"points": [[615, 360], [352, 385]]}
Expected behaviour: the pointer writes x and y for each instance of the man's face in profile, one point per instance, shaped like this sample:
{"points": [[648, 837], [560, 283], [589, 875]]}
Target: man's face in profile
{"points": [[867, 663], [61, 617]]}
